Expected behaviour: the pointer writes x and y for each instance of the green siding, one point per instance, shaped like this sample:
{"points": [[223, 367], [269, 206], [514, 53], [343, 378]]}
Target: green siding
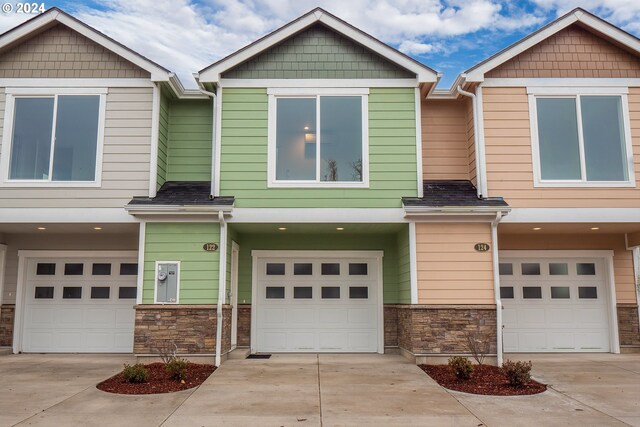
{"points": [[404, 267], [189, 145], [387, 243], [392, 154], [318, 53], [163, 139], [183, 242]]}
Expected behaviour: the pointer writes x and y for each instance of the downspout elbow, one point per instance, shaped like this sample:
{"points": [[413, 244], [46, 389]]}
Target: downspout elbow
{"points": [[476, 137]]}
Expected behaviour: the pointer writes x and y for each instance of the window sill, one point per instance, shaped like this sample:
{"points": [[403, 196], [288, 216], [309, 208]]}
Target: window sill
{"points": [[50, 184], [582, 184], [302, 184]]}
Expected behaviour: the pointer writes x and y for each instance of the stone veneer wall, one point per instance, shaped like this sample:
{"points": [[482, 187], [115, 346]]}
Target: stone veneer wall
{"points": [[441, 329], [628, 325], [192, 328], [7, 314], [244, 325], [390, 326]]}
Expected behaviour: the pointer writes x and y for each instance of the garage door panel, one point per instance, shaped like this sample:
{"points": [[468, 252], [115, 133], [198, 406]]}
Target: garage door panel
{"points": [[92, 317], [567, 312], [329, 304]]}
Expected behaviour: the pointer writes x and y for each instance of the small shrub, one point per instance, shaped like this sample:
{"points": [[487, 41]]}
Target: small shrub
{"points": [[461, 367], [479, 345], [177, 368], [135, 373], [517, 373]]}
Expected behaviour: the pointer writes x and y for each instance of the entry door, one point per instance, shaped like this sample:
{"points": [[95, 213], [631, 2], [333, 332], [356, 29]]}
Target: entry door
{"points": [[554, 305], [80, 305], [317, 305]]}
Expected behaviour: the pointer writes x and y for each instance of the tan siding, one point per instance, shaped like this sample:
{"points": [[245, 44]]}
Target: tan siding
{"points": [[125, 170], [444, 136], [510, 162], [450, 271], [61, 52], [471, 146], [572, 52], [622, 258]]}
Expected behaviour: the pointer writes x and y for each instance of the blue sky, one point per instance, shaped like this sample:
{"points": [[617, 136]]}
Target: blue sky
{"points": [[447, 35]]}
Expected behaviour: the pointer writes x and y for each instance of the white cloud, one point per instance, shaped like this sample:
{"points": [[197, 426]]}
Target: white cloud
{"points": [[411, 47]]}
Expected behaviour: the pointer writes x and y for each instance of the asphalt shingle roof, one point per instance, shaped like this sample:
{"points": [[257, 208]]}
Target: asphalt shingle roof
{"points": [[180, 193], [454, 193]]}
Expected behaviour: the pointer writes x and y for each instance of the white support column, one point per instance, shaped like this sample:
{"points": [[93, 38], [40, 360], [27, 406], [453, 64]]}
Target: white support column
{"points": [[222, 285], [419, 142], [155, 131], [141, 244], [413, 262]]}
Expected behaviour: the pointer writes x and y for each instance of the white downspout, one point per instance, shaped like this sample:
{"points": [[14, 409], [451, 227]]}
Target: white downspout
{"points": [[476, 138], [496, 285], [222, 285], [214, 99]]}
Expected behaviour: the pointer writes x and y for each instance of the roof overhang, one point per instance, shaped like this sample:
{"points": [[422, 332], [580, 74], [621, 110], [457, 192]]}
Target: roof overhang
{"points": [[489, 212], [53, 15], [212, 73], [148, 210], [586, 19]]}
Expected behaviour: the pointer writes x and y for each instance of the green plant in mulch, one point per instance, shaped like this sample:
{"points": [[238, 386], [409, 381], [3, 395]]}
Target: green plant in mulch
{"points": [[518, 373], [135, 373], [461, 367]]}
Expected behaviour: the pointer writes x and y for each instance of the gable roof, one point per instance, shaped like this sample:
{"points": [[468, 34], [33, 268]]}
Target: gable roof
{"points": [[578, 15], [54, 15], [212, 73]]}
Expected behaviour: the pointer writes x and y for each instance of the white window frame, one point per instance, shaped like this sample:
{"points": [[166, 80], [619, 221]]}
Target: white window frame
{"points": [[7, 137], [575, 93], [274, 94], [155, 284]]}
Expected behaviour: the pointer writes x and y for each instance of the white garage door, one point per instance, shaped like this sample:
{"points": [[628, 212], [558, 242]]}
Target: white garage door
{"points": [[317, 305], [80, 305], [554, 305]]}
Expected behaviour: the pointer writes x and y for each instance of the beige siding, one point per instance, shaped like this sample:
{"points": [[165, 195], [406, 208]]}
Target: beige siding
{"points": [[572, 52], [622, 258], [444, 139], [65, 242], [510, 162], [125, 166], [471, 146], [61, 52], [450, 271]]}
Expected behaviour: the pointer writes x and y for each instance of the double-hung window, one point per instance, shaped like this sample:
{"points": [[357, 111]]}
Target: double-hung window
{"points": [[53, 137], [581, 139], [318, 139]]}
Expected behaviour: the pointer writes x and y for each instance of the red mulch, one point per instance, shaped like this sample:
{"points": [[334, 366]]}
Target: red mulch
{"points": [[159, 380], [486, 379]]}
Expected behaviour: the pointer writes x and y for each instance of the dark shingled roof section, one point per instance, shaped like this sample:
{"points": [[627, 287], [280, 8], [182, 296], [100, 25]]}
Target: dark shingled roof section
{"points": [[458, 193], [179, 193]]}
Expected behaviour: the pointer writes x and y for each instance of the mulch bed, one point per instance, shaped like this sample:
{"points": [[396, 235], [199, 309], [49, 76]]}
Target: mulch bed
{"points": [[159, 380], [486, 379]]}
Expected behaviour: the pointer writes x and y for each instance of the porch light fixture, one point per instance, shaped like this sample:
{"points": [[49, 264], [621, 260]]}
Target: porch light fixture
{"points": [[339, 228], [536, 228], [282, 228], [42, 228], [595, 228], [97, 228]]}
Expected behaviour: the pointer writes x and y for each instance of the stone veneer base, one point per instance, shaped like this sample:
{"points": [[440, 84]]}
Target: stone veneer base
{"points": [[628, 328], [7, 315], [192, 328]]}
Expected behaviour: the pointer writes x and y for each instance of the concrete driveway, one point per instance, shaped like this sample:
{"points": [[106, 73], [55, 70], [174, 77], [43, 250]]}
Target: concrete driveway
{"points": [[311, 390]]}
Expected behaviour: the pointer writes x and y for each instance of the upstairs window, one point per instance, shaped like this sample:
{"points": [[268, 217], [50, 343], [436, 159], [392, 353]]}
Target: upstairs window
{"points": [[54, 139], [581, 140], [318, 140]]}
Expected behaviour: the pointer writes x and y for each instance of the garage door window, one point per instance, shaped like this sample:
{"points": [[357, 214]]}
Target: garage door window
{"points": [[359, 269], [275, 269], [358, 292], [302, 269], [46, 269], [275, 292], [531, 292], [72, 292], [587, 292], [129, 269], [330, 292], [101, 269], [330, 269], [506, 269], [127, 292], [506, 292], [100, 292], [73, 269], [302, 292], [586, 269], [44, 292], [558, 269], [560, 292], [530, 269]]}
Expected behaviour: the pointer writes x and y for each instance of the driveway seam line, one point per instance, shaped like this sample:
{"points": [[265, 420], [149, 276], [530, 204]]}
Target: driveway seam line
{"points": [[193, 390], [464, 406], [319, 389], [585, 404], [54, 405]]}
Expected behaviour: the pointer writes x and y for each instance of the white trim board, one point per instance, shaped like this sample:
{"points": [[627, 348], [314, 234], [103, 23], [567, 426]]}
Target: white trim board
{"points": [[476, 74], [568, 215], [24, 256], [155, 135], [65, 215], [318, 215], [317, 83], [418, 113], [142, 240], [212, 73], [14, 35], [73, 82], [561, 82]]}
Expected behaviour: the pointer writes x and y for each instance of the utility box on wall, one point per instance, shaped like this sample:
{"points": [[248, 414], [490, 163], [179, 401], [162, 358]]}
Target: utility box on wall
{"points": [[167, 279]]}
